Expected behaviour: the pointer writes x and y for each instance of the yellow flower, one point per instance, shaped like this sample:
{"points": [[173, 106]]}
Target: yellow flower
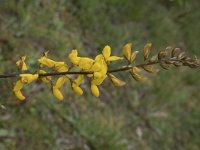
{"points": [[95, 90], [73, 57], [28, 78], [56, 87], [21, 65], [107, 52], [82, 62], [25, 79], [44, 61], [17, 90], [100, 69], [75, 85], [45, 79], [60, 81]]}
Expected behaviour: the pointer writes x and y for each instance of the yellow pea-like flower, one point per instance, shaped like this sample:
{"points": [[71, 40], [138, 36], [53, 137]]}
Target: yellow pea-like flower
{"points": [[95, 90], [45, 61], [19, 95], [57, 93], [21, 65], [60, 81], [73, 57], [127, 51], [45, 79], [77, 89], [28, 78], [106, 54], [18, 86], [101, 61], [25, 79]]}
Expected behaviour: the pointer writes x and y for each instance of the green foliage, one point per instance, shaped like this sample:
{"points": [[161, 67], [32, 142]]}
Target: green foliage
{"points": [[159, 114]]}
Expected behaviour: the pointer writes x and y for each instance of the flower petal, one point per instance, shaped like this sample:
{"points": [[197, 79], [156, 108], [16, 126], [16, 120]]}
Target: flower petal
{"points": [[73, 57], [106, 52], [18, 86], [60, 81], [57, 93], [77, 89], [85, 63], [19, 95], [95, 90]]}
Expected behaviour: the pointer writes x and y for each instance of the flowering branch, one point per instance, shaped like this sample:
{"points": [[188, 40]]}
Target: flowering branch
{"points": [[97, 70]]}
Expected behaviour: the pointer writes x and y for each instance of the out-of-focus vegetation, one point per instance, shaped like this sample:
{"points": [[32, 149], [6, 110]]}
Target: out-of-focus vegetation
{"points": [[162, 113]]}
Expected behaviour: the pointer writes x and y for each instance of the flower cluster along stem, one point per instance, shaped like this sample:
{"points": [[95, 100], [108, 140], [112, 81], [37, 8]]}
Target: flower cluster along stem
{"points": [[125, 68], [74, 72], [96, 70]]}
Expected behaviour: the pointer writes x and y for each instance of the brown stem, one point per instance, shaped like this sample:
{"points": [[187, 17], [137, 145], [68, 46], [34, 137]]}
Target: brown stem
{"points": [[83, 72]]}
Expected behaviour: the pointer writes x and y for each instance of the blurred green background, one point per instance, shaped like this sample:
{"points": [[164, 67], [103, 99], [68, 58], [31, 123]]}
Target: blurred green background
{"points": [[163, 113]]}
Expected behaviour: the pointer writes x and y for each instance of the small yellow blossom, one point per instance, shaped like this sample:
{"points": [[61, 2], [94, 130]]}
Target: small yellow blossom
{"points": [[73, 57], [107, 52], [21, 65], [60, 81], [76, 85], [82, 62], [45, 61], [28, 78], [24, 79]]}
